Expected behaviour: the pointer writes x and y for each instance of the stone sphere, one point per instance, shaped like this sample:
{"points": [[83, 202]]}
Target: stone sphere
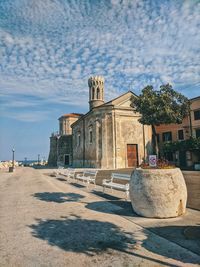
{"points": [[158, 193]]}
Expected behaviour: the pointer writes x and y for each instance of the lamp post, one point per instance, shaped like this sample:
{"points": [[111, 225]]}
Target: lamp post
{"points": [[13, 158], [11, 169]]}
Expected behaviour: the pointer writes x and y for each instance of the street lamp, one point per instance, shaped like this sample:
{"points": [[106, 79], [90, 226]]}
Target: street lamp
{"points": [[13, 158]]}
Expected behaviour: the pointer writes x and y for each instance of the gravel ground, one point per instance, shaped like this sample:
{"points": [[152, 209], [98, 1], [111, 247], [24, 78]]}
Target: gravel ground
{"points": [[47, 222]]}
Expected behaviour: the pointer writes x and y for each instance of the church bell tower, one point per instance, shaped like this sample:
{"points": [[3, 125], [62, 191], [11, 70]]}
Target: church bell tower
{"points": [[96, 91]]}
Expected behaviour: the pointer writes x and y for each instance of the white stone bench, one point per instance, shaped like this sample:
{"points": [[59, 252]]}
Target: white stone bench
{"points": [[71, 173], [88, 176], [58, 170], [63, 172], [113, 183]]}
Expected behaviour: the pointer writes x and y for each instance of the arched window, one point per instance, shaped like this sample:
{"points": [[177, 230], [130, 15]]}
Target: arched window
{"points": [[78, 138], [98, 93], [90, 134], [93, 89]]}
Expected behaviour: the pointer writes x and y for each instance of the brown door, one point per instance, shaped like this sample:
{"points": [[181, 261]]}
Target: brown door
{"points": [[132, 155]]}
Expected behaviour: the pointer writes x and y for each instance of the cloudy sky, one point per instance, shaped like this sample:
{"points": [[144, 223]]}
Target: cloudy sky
{"points": [[49, 48]]}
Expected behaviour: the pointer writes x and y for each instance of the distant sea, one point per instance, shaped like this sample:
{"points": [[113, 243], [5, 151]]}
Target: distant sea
{"points": [[27, 161]]}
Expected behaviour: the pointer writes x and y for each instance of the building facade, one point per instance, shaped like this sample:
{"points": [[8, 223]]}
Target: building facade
{"points": [[109, 136], [190, 127], [61, 149]]}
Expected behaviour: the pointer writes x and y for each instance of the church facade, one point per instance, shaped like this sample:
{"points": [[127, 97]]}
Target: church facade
{"points": [[109, 136]]}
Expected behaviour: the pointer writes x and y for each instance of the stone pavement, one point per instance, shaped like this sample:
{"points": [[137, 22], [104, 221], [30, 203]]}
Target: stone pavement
{"points": [[173, 229], [46, 221]]}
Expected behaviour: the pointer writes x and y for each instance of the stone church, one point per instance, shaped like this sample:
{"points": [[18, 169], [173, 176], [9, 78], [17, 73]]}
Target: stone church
{"points": [[108, 136]]}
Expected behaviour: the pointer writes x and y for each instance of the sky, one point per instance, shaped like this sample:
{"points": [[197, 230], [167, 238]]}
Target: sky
{"points": [[49, 49]]}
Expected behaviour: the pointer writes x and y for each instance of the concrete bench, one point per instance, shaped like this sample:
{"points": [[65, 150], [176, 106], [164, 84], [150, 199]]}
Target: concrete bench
{"points": [[71, 173], [58, 171], [113, 183], [88, 176], [63, 172]]}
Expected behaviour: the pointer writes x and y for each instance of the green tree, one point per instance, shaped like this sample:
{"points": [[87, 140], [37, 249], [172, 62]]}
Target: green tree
{"points": [[164, 106]]}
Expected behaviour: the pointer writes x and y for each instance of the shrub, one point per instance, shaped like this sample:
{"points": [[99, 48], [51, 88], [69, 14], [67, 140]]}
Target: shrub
{"points": [[161, 164]]}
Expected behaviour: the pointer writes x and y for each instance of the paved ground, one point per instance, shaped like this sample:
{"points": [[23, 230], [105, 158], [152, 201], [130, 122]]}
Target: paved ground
{"points": [[46, 221]]}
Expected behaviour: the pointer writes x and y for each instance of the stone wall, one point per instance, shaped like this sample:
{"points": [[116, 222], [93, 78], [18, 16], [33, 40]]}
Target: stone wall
{"points": [[59, 147], [65, 123], [130, 131], [86, 152], [52, 160], [192, 179], [64, 148], [112, 130]]}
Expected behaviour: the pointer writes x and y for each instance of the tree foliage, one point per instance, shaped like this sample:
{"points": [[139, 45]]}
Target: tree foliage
{"points": [[164, 106], [185, 145]]}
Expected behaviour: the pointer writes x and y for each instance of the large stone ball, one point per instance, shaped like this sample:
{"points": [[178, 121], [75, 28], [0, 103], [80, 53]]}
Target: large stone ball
{"points": [[158, 193]]}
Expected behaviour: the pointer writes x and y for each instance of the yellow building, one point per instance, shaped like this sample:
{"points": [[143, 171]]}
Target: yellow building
{"points": [[190, 127]]}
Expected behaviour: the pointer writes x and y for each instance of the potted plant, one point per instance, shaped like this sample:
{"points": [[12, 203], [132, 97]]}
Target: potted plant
{"points": [[158, 192]]}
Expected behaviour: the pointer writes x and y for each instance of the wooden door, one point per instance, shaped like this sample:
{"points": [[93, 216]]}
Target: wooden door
{"points": [[132, 155]]}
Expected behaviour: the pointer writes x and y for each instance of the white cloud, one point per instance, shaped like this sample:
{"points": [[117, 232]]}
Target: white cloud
{"points": [[49, 48]]}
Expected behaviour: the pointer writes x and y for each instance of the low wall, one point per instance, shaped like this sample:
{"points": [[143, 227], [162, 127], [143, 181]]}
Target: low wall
{"points": [[192, 179]]}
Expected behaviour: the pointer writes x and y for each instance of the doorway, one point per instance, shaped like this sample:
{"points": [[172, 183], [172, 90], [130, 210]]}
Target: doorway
{"points": [[67, 160], [182, 159], [132, 155]]}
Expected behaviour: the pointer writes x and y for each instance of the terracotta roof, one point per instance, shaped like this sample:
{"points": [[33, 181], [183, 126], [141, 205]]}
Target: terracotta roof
{"points": [[74, 115], [194, 98]]}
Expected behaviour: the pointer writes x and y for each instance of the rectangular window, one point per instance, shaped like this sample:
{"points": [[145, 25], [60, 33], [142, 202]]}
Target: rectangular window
{"points": [[90, 136], [197, 114], [167, 136], [180, 135], [197, 133]]}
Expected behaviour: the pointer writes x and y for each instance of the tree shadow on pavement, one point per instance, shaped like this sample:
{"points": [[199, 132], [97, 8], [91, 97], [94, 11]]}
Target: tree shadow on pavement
{"points": [[82, 235], [173, 233], [119, 207], [93, 237], [58, 197], [105, 195]]}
